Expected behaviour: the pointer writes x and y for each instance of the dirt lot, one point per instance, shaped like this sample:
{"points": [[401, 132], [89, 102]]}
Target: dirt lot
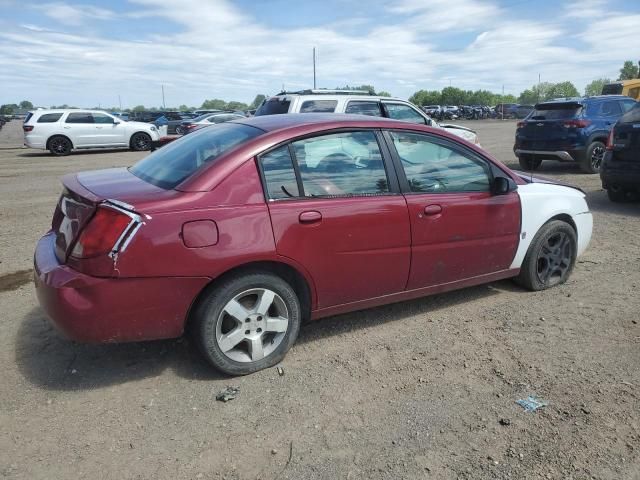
{"points": [[421, 389]]}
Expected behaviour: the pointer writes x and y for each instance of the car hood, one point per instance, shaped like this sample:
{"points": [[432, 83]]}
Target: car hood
{"points": [[458, 127], [135, 124], [529, 178]]}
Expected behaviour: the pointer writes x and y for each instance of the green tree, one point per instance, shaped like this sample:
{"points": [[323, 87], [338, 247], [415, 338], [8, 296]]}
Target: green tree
{"points": [[595, 87], [365, 88], [8, 109], [214, 104], [426, 97], [257, 101], [26, 105], [183, 108], [563, 89], [628, 71], [384, 93], [236, 106], [138, 108], [481, 97], [454, 96]]}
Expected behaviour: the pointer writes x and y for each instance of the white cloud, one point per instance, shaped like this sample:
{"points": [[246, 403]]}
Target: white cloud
{"points": [[220, 51]]}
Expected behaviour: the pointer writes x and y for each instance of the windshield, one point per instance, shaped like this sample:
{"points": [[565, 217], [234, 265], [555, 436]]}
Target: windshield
{"points": [[555, 111], [174, 163]]}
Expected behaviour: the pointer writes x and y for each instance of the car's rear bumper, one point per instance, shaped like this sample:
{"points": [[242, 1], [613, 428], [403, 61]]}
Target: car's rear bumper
{"points": [[562, 155], [623, 175], [97, 310]]}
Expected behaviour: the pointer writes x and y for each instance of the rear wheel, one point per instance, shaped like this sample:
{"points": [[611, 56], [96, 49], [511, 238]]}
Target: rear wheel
{"points": [[593, 158], [529, 163], [140, 142], [247, 322], [550, 258], [180, 130], [60, 146]]}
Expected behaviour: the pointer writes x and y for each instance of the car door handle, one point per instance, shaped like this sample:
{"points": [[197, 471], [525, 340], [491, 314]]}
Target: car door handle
{"points": [[310, 216], [67, 128], [432, 209], [98, 128]]}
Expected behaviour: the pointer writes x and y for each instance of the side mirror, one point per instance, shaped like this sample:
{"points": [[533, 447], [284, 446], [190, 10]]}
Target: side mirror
{"points": [[503, 185], [115, 121]]}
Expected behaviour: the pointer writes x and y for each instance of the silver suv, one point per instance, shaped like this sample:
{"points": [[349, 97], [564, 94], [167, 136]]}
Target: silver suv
{"points": [[356, 102]]}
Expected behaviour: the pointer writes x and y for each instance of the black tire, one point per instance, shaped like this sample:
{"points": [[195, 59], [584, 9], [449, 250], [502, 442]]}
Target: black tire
{"points": [[537, 263], [59, 146], [140, 142], [617, 196], [528, 163], [210, 312], [593, 158], [179, 130]]}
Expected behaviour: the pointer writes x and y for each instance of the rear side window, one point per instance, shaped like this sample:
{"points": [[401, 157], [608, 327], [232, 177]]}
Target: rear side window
{"points": [[279, 174], [341, 164], [364, 108], [78, 117], [632, 116], [174, 163], [28, 117], [273, 106], [49, 118], [610, 108], [555, 111], [398, 111], [318, 106]]}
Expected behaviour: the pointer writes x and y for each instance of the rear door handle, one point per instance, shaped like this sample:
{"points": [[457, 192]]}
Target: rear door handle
{"points": [[311, 216], [432, 209]]}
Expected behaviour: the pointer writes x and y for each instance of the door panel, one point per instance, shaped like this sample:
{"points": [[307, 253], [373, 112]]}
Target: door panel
{"points": [[459, 228], [354, 248], [107, 132], [79, 127], [472, 234]]}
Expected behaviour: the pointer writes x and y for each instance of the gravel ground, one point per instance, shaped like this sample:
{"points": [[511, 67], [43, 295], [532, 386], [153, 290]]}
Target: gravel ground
{"points": [[420, 389]]}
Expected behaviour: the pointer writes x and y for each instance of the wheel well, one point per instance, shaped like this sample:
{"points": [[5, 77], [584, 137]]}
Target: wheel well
{"points": [[284, 271], [58, 135], [136, 133], [563, 217]]}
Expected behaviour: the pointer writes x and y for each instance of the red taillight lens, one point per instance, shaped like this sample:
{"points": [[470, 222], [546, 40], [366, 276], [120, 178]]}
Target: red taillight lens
{"points": [[27, 128], [101, 233], [577, 123], [520, 124], [610, 140]]}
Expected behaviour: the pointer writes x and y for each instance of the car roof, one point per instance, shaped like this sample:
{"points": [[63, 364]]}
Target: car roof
{"points": [[271, 123]]}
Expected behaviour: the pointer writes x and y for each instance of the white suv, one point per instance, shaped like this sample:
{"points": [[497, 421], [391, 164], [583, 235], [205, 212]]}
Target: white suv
{"points": [[61, 131], [355, 102]]}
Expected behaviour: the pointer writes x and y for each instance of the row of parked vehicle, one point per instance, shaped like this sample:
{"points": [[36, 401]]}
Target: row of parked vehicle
{"points": [[477, 112], [3, 120]]}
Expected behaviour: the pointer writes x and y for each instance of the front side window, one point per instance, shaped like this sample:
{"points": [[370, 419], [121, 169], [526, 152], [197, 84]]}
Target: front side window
{"points": [[399, 111], [101, 118], [79, 117], [434, 168], [174, 163], [629, 104], [341, 164], [279, 174], [49, 118], [359, 107], [318, 106]]}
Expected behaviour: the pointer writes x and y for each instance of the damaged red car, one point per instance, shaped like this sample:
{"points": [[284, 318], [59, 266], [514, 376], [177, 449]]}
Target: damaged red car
{"points": [[241, 231]]}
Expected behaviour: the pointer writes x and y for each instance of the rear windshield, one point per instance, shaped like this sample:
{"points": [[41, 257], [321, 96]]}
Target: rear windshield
{"points": [[273, 106], [174, 163], [612, 89], [555, 111], [632, 116]]}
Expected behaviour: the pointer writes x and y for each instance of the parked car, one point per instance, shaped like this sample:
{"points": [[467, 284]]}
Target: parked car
{"points": [[121, 115], [569, 131], [208, 119], [199, 113], [506, 110], [242, 231], [62, 131], [523, 110], [355, 102], [620, 171]]}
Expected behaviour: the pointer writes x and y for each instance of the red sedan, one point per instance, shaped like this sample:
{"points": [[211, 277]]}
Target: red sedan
{"points": [[243, 230]]}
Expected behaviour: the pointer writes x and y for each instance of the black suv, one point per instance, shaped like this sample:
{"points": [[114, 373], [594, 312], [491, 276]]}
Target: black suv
{"points": [[620, 172], [571, 130]]}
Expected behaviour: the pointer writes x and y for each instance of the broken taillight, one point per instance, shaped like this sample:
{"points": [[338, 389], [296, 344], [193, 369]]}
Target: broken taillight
{"points": [[610, 140], [100, 235], [576, 123]]}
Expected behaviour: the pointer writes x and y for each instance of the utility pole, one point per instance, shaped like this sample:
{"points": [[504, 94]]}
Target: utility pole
{"points": [[538, 101], [163, 106], [502, 109], [314, 68], [120, 102]]}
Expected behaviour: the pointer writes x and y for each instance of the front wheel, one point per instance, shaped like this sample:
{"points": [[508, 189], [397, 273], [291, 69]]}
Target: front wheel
{"points": [[550, 258], [593, 159], [180, 130], [617, 196], [247, 322], [140, 142]]}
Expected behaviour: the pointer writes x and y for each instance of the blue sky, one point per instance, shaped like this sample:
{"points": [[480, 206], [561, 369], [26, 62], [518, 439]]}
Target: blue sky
{"points": [[90, 53]]}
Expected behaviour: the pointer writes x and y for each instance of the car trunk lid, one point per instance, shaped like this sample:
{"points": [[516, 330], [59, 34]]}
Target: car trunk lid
{"points": [[551, 126]]}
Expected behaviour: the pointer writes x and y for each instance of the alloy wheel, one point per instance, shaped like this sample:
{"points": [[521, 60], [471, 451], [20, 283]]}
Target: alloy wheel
{"points": [[596, 157], [59, 145], [554, 259], [252, 325]]}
